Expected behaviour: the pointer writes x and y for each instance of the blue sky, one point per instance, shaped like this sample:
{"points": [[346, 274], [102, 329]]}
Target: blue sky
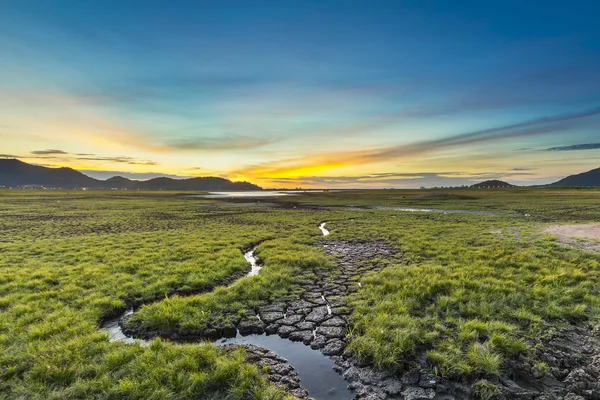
{"points": [[304, 93]]}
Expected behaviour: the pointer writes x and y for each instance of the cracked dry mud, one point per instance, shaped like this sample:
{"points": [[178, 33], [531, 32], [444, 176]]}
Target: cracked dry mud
{"points": [[319, 318]]}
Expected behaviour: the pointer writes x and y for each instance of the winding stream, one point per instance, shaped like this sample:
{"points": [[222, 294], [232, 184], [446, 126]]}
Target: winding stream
{"points": [[324, 231], [255, 267], [313, 367]]}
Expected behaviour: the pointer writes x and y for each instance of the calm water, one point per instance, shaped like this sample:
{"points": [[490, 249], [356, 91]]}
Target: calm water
{"points": [[258, 193], [314, 369]]}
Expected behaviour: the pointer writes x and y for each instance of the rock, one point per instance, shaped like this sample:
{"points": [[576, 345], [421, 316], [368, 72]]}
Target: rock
{"points": [[335, 321], [318, 342], [301, 336], [352, 374], [291, 320], [411, 378], [391, 386], [331, 331], [270, 317], [272, 308], [250, 326], [318, 314], [427, 380], [573, 396], [299, 393], [271, 329], [333, 348], [285, 330], [417, 393], [302, 306], [305, 326]]}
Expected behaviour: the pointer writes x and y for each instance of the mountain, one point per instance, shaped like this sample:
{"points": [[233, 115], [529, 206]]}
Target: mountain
{"points": [[207, 183], [118, 182], [494, 183], [15, 173], [589, 178]]}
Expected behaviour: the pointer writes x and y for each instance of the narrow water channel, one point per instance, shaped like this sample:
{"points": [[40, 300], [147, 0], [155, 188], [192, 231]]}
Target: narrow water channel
{"points": [[314, 369], [324, 231]]}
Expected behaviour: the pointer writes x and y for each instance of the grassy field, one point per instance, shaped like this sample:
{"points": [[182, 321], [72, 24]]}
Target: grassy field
{"points": [[474, 289]]}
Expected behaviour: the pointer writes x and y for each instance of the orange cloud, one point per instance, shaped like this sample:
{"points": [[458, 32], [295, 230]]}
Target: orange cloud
{"points": [[298, 167]]}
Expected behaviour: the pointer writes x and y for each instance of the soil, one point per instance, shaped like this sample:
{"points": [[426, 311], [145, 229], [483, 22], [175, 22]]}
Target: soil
{"points": [[582, 231], [582, 236], [319, 318]]}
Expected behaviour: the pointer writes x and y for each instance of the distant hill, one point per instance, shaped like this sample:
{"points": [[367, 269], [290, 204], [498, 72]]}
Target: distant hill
{"points": [[494, 183], [589, 178], [15, 173]]}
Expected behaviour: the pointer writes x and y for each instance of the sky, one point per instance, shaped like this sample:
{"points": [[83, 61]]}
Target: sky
{"points": [[304, 93]]}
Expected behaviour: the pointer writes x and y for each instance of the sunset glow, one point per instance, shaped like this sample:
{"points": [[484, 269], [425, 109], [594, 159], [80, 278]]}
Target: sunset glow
{"points": [[300, 94]]}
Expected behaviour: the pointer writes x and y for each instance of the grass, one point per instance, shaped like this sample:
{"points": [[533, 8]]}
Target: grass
{"points": [[67, 260], [473, 290], [470, 297]]}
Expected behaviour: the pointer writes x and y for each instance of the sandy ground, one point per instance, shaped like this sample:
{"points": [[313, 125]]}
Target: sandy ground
{"points": [[568, 232], [584, 236]]}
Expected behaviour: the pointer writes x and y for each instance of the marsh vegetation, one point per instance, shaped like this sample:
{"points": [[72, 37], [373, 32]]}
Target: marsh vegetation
{"points": [[470, 292]]}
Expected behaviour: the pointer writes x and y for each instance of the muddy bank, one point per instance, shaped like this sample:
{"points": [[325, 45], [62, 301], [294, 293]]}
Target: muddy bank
{"points": [[316, 374], [277, 368], [570, 369], [319, 318], [321, 309]]}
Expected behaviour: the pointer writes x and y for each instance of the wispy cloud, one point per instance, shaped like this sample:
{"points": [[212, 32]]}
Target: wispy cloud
{"points": [[397, 179], [48, 152], [230, 142], [583, 146], [118, 159], [324, 162]]}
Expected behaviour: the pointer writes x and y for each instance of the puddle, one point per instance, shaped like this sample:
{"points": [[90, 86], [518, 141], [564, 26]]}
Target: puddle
{"points": [[256, 193], [437, 210], [314, 369]]}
